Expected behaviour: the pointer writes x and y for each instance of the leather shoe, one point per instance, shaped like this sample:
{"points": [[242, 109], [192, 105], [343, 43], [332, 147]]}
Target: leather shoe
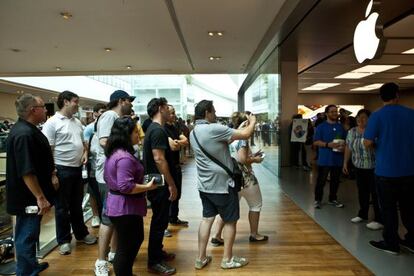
{"points": [[42, 266], [161, 269]]}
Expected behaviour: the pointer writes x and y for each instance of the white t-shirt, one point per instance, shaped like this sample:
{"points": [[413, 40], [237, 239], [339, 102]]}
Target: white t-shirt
{"points": [[66, 135]]}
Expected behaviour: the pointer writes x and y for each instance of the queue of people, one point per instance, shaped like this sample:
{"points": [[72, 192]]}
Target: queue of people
{"points": [[45, 168]]}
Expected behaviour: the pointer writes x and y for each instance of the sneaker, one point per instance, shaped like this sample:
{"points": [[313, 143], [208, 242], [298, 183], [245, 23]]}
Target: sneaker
{"points": [[216, 242], [383, 247], [95, 222], [199, 264], [317, 204], [65, 249], [373, 225], [357, 219], [234, 262], [89, 239], [42, 266], [111, 257], [101, 268], [179, 222], [407, 246], [161, 268], [336, 203], [167, 233]]}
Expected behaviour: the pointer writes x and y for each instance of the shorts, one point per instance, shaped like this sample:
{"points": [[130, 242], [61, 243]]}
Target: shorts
{"points": [[225, 205], [103, 192]]}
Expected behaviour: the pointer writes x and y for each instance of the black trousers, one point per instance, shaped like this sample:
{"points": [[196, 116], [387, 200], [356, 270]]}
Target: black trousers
{"points": [[296, 148], [159, 222], [321, 180], [393, 192], [365, 180], [130, 230], [178, 179], [68, 207]]}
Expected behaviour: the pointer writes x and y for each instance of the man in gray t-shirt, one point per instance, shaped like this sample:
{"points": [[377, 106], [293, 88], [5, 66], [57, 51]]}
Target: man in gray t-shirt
{"points": [[216, 187]]}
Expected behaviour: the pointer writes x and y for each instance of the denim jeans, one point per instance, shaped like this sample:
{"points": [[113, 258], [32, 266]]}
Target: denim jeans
{"points": [[68, 207], [393, 193], [26, 236]]}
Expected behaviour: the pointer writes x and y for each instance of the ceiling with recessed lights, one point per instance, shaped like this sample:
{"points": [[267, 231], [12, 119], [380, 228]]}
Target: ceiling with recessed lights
{"points": [[49, 37]]}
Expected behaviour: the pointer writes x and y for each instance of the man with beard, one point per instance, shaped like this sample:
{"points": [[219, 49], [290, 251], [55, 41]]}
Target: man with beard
{"points": [[120, 104], [65, 135], [330, 139], [157, 159]]}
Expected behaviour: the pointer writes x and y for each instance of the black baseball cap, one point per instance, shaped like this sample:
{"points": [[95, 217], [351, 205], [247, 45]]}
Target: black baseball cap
{"points": [[121, 94]]}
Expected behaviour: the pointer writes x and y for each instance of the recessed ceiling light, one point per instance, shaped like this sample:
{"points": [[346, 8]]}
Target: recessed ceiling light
{"points": [[214, 58], [129, 67], [58, 68], [374, 68], [409, 77], [66, 15], [215, 33], [368, 87], [15, 50], [108, 49], [353, 75], [411, 51], [321, 86]]}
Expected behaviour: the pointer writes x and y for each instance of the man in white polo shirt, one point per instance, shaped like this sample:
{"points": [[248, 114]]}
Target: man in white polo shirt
{"points": [[65, 135]]}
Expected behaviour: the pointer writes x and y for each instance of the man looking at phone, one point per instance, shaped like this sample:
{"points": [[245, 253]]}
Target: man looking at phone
{"points": [[216, 187], [31, 181], [157, 159], [330, 140]]}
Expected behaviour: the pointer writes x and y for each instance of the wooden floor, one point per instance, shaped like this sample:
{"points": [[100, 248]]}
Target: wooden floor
{"points": [[296, 246]]}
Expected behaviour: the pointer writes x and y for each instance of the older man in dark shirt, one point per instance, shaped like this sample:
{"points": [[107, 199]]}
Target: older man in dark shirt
{"points": [[31, 182]]}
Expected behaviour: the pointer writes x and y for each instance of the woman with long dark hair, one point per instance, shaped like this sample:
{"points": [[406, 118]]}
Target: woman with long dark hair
{"points": [[126, 204]]}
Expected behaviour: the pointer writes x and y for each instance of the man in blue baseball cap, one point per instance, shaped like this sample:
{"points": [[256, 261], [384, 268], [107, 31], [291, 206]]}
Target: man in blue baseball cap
{"points": [[120, 104]]}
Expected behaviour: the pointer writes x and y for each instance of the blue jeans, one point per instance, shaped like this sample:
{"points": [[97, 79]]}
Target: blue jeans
{"points": [[26, 236], [68, 207]]}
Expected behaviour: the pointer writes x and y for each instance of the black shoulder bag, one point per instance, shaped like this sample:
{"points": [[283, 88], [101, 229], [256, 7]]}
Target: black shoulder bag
{"points": [[236, 174]]}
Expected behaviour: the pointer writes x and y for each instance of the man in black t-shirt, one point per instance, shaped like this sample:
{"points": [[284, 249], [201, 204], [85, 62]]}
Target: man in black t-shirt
{"points": [[176, 140], [158, 159], [30, 181]]}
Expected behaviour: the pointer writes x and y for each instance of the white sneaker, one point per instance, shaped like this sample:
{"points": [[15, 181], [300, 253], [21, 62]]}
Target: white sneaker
{"points": [[357, 219], [111, 257], [95, 221], [373, 225], [101, 268], [89, 239], [65, 249]]}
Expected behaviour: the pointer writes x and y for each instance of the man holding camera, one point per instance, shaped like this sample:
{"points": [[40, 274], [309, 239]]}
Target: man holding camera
{"points": [[217, 192]]}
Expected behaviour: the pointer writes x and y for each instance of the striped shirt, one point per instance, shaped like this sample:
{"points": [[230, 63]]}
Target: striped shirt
{"points": [[362, 157]]}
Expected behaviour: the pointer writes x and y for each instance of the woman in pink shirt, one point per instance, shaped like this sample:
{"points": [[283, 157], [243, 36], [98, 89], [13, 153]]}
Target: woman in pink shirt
{"points": [[126, 204]]}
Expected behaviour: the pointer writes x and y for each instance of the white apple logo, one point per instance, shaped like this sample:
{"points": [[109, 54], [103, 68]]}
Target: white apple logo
{"points": [[365, 40]]}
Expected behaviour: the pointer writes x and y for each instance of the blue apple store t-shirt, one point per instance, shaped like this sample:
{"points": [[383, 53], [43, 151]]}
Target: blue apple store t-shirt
{"points": [[327, 132], [391, 128]]}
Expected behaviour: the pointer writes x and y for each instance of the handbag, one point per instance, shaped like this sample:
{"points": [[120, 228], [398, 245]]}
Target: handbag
{"points": [[236, 174]]}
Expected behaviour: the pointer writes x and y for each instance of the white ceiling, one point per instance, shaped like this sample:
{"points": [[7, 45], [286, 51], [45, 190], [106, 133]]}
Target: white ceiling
{"points": [[140, 32], [400, 37]]}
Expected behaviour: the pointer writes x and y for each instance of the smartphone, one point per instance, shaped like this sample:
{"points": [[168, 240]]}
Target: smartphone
{"points": [[159, 179]]}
